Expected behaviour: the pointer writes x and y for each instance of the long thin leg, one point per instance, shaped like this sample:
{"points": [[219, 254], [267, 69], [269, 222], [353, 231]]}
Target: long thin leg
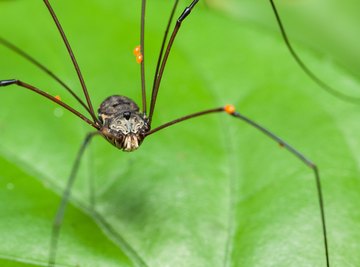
{"points": [[229, 109], [65, 197], [197, 114], [50, 97], [90, 174], [322, 84], [155, 89], [164, 41], [73, 59], [142, 51], [43, 68]]}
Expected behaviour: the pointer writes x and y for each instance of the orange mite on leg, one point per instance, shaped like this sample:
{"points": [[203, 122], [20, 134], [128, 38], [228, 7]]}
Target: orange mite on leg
{"points": [[139, 58], [137, 50], [230, 109], [58, 98]]}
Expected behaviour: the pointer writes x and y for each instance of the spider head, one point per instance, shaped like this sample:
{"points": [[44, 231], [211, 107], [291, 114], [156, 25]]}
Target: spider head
{"points": [[122, 123]]}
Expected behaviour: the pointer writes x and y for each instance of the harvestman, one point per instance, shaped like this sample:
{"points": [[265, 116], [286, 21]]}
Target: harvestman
{"points": [[121, 122]]}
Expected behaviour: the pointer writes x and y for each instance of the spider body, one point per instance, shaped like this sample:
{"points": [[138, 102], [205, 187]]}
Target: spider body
{"points": [[122, 123]]}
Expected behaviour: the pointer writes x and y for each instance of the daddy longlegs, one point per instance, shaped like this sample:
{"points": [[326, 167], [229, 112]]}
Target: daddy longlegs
{"points": [[135, 125]]}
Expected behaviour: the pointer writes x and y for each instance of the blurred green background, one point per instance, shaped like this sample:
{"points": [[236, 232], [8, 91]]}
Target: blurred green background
{"points": [[208, 192]]}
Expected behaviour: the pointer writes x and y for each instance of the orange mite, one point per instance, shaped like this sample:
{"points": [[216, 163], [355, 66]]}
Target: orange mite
{"points": [[139, 58], [230, 109], [137, 50]]}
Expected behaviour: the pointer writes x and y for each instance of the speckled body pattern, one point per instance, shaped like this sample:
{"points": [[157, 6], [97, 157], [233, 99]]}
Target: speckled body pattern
{"points": [[122, 123]]}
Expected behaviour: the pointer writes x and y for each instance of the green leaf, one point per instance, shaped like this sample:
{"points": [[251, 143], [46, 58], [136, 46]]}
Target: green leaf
{"points": [[211, 191]]}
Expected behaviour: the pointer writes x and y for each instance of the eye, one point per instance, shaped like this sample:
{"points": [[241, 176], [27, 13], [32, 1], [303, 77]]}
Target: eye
{"points": [[127, 115]]}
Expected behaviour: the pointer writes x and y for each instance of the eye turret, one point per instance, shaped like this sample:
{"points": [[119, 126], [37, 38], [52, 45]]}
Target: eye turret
{"points": [[127, 115]]}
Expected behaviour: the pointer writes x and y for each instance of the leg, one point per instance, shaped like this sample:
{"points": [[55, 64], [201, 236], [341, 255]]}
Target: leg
{"points": [[36, 63], [90, 175], [61, 209], [311, 74], [50, 97], [160, 70], [73, 59], [229, 109]]}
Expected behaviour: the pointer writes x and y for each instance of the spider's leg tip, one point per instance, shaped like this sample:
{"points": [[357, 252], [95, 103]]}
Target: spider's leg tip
{"points": [[7, 82]]}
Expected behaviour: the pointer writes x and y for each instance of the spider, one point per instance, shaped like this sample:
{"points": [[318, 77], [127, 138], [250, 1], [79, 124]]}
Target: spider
{"points": [[121, 122]]}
